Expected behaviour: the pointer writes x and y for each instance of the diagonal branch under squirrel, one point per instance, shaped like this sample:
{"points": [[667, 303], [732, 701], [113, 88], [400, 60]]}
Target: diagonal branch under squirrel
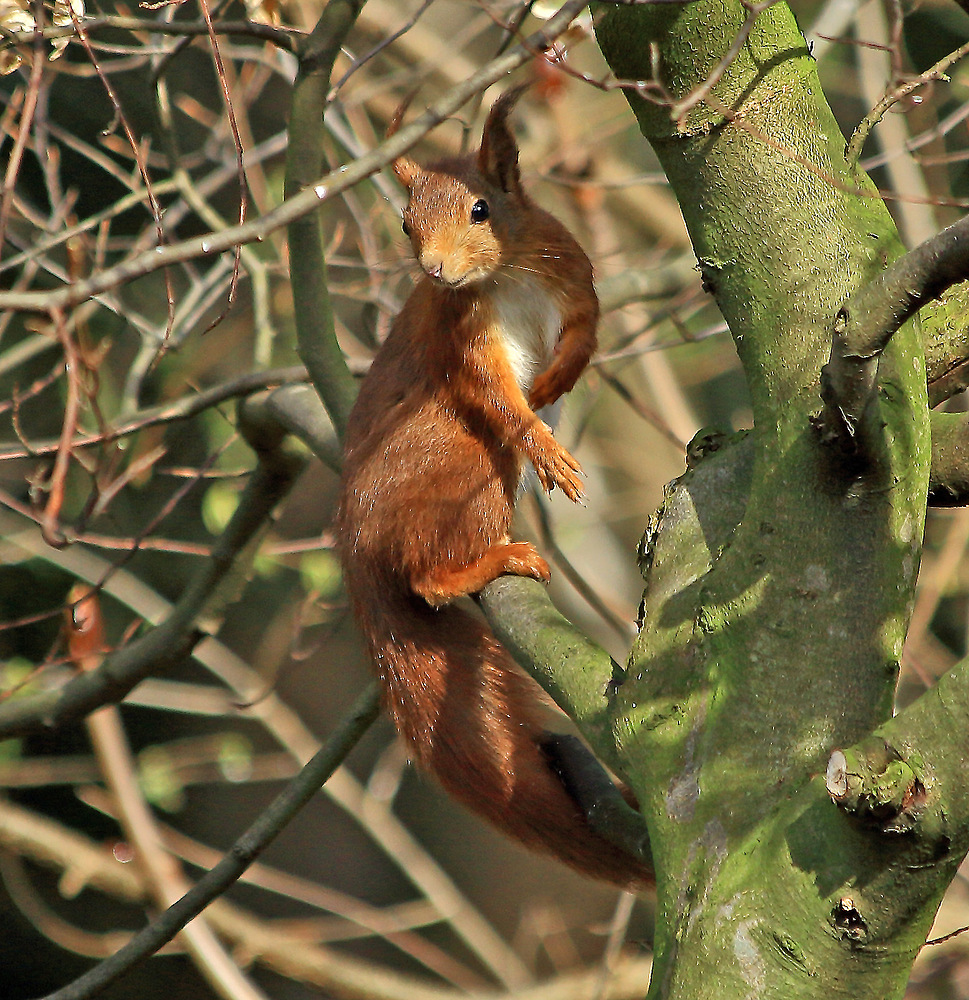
{"points": [[501, 323]]}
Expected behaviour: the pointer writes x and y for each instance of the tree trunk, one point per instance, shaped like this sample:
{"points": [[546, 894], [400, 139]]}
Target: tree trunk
{"points": [[779, 575]]}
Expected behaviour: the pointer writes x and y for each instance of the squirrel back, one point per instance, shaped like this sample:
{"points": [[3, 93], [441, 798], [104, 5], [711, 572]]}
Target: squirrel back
{"points": [[502, 322]]}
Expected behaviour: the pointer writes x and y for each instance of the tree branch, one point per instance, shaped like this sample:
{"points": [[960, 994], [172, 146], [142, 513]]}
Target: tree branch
{"points": [[284, 38], [577, 673], [376, 817], [242, 853], [606, 810], [949, 473], [315, 331], [909, 778], [169, 412], [299, 409], [866, 323], [199, 606]]}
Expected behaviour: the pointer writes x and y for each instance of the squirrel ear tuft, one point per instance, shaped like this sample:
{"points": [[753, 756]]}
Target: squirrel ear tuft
{"points": [[406, 170], [404, 167], [498, 157]]}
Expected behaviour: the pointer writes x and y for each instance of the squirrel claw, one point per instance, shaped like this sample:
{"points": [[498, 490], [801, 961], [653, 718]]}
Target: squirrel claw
{"points": [[562, 470], [523, 560], [541, 396], [554, 465]]}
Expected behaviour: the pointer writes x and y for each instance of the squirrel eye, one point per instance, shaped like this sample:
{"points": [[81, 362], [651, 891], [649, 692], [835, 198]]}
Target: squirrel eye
{"points": [[480, 211], [405, 227]]}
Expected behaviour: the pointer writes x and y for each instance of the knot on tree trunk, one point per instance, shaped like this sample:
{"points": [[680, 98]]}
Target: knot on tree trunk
{"points": [[876, 785]]}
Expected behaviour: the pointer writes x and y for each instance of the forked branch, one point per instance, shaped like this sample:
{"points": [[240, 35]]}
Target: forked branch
{"points": [[175, 638], [242, 853], [866, 323]]}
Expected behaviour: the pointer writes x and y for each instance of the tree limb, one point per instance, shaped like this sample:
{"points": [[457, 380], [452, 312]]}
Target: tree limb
{"points": [[170, 642], [298, 408], [949, 473], [869, 318], [576, 672], [315, 333], [242, 853], [908, 779]]}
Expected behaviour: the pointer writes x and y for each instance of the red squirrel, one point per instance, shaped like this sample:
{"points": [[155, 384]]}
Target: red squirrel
{"points": [[502, 321]]}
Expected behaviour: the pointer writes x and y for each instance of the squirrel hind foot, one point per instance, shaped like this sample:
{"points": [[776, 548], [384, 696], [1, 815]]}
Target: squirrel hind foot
{"points": [[445, 583]]}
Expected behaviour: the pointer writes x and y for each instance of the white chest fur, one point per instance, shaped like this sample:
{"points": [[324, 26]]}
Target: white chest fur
{"points": [[527, 321]]}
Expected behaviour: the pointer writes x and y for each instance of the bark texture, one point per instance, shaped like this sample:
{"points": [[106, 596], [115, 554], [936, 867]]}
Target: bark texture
{"points": [[778, 580]]}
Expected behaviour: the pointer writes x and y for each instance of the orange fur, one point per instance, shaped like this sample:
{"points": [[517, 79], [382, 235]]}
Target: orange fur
{"points": [[505, 308]]}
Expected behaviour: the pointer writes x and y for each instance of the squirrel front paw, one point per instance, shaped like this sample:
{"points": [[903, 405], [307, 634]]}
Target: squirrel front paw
{"points": [[553, 383], [556, 467], [545, 391]]}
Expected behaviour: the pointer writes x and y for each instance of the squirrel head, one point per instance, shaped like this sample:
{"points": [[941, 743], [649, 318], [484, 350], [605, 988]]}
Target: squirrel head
{"points": [[465, 213]]}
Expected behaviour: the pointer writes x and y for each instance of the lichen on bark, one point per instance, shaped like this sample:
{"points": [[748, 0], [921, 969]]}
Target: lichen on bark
{"points": [[779, 581]]}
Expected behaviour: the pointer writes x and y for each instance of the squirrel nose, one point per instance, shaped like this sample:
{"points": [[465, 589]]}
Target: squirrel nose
{"points": [[432, 262]]}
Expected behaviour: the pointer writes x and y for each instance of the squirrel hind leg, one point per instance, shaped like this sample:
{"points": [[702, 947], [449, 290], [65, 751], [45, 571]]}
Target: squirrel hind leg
{"points": [[444, 583]]}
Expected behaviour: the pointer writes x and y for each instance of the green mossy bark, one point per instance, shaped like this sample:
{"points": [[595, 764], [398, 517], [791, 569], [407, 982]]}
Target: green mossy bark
{"points": [[778, 586], [949, 479], [577, 673], [945, 336]]}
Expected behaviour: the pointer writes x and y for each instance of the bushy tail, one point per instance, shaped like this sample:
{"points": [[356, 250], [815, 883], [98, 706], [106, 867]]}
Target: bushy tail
{"points": [[470, 719]]}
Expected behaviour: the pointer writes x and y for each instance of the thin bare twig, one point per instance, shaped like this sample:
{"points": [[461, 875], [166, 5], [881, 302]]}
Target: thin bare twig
{"points": [[620, 625], [283, 38], [939, 130], [947, 937], [166, 413], [23, 131], [136, 150], [333, 183], [50, 527], [936, 72], [240, 162], [162, 871], [246, 849], [378, 48]]}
